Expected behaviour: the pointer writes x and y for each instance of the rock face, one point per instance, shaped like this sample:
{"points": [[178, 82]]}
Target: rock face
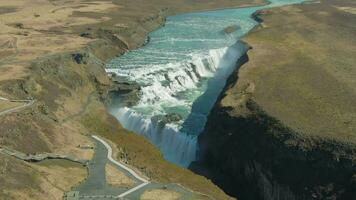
{"points": [[282, 129], [123, 86], [255, 157], [162, 120], [39, 157], [124, 92]]}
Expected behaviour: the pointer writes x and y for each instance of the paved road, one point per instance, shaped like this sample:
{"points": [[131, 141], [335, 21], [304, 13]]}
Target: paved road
{"points": [[96, 187], [133, 173], [11, 110]]}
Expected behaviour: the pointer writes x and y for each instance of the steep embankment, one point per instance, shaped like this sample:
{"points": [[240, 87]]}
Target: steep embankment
{"points": [[55, 52], [285, 126]]}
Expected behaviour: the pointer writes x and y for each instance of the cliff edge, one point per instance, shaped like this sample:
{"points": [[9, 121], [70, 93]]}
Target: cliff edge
{"points": [[285, 126]]}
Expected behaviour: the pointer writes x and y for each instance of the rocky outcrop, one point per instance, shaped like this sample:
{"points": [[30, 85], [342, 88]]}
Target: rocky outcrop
{"points": [[161, 120], [40, 157], [123, 92]]}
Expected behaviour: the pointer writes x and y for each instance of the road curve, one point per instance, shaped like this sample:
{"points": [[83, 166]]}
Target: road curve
{"points": [[28, 103], [133, 173]]}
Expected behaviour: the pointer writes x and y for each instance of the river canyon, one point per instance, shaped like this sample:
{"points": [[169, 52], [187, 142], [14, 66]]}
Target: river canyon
{"points": [[181, 71]]}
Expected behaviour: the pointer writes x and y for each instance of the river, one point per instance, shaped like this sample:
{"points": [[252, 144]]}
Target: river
{"points": [[181, 72]]}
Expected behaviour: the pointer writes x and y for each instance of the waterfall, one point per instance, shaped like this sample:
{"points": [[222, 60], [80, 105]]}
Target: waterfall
{"points": [[178, 88], [182, 71], [177, 147]]}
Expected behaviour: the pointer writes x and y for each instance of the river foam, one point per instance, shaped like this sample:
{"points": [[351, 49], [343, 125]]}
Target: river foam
{"points": [[181, 72], [177, 147], [178, 140]]}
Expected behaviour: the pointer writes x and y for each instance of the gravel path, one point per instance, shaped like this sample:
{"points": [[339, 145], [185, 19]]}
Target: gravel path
{"points": [[28, 103]]}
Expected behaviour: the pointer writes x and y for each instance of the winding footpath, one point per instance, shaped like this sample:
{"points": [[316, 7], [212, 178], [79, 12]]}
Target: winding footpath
{"points": [[133, 173], [119, 193], [95, 186], [28, 103]]}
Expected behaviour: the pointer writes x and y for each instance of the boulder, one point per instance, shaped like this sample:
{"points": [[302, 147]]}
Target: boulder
{"points": [[161, 120]]}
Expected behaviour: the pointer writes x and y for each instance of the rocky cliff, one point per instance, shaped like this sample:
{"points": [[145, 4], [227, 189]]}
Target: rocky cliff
{"points": [[254, 156], [279, 129]]}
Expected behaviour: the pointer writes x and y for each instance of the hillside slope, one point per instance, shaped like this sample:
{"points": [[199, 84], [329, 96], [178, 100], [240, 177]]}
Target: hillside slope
{"points": [[55, 51]]}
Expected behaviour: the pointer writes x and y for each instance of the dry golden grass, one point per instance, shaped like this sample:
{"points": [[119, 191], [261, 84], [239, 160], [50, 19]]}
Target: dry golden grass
{"points": [[351, 10], [142, 155], [70, 144], [116, 178], [43, 15], [36, 28], [32, 30], [160, 194], [46, 180], [12, 71], [5, 105]]}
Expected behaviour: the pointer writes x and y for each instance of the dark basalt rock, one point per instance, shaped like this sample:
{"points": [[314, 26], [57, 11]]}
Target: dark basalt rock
{"points": [[79, 58], [257, 16], [86, 35], [19, 25], [255, 156], [162, 120], [124, 86], [172, 117], [124, 92]]}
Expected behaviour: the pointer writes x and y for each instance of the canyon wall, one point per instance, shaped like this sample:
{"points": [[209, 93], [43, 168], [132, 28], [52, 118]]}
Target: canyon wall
{"points": [[255, 157], [284, 126]]}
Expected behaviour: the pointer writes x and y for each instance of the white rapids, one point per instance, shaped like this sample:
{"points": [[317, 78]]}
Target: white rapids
{"points": [[181, 72]]}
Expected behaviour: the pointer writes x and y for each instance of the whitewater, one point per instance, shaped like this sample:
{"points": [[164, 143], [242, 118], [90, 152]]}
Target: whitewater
{"points": [[181, 72]]}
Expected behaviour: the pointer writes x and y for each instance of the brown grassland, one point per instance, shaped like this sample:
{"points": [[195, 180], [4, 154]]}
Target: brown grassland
{"points": [[54, 51]]}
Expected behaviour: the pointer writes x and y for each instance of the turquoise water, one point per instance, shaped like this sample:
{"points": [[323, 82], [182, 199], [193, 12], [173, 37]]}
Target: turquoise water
{"points": [[181, 71]]}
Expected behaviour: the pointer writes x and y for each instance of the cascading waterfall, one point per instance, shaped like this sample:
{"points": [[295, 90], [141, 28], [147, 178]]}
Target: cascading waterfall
{"points": [[179, 146], [181, 72]]}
